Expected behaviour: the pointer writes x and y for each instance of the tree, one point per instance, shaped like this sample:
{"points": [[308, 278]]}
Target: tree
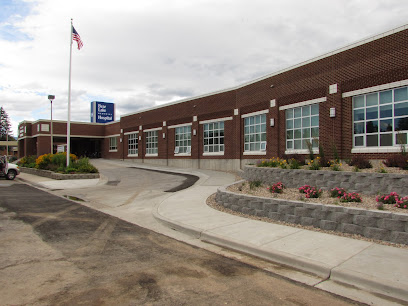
{"points": [[5, 126]]}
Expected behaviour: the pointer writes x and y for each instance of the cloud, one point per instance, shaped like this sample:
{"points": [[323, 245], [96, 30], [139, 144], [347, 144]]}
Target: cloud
{"points": [[140, 54]]}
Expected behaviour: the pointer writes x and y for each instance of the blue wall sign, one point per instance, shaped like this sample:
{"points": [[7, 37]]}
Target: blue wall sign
{"points": [[102, 112]]}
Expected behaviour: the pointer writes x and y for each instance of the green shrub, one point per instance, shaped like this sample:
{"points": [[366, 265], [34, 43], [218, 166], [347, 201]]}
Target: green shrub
{"points": [[360, 162], [254, 184]]}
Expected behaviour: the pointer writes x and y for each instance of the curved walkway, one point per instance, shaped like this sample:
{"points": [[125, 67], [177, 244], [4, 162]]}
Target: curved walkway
{"points": [[369, 266]]}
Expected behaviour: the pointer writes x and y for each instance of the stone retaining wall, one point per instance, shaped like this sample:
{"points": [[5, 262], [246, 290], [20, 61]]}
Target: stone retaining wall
{"points": [[367, 183], [380, 225], [59, 176]]}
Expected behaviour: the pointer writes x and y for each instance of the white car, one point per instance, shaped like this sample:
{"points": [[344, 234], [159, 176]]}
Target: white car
{"points": [[10, 171]]}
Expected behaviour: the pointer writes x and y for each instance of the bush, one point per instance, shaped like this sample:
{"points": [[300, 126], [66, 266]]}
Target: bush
{"points": [[254, 184], [12, 158], [276, 188], [350, 197], [391, 198], [296, 157], [402, 203], [397, 160], [310, 192], [43, 161], [337, 192], [27, 161], [360, 162]]}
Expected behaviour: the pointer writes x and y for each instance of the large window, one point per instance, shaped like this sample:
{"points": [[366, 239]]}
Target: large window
{"points": [[133, 141], [151, 142], [302, 127], [113, 143], [255, 133], [183, 140], [381, 118], [214, 137]]}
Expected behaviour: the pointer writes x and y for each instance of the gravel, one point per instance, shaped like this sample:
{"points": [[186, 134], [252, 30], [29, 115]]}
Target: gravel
{"points": [[368, 202]]}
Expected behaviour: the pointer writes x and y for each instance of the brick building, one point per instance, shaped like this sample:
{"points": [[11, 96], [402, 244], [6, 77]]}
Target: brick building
{"points": [[353, 100]]}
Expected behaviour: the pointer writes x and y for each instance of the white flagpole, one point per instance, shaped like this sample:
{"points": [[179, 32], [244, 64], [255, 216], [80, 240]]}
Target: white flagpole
{"points": [[69, 98]]}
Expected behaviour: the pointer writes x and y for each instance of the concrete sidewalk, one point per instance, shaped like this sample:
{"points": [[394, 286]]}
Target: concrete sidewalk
{"points": [[375, 268]]}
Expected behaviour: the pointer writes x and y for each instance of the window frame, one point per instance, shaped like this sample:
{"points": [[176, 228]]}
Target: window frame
{"points": [[113, 144], [182, 140], [374, 119], [215, 144], [133, 148], [302, 124], [251, 133], [152, 143]]}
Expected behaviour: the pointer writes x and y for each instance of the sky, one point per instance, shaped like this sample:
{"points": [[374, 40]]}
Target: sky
{"points": [[144, 53]]}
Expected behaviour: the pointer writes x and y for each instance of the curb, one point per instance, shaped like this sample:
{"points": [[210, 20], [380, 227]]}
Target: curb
{"points": [[286, 259]]}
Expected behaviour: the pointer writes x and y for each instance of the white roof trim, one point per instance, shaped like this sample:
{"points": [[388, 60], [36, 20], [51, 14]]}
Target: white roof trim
{"points": [[152, 130], [336, 51], [261, 112], [179, 125], [215, 120], [303, 103], [375, 88], [132, 132]]}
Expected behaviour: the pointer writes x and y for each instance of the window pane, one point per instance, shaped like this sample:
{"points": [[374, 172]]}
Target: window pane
{"points": [[315, 109], [372, 113], [401, 138], [306, 110], [298, 123], [289, 113], [401, 109], [372, 140], [315, 132], [386, 97], [386, 125], [372, 99], [289, 135], [289, 124], [359, 114], [298, 134], [358, 101], [359, 141], [298, 144], [263, 137], [306, 122], [400, 94], [298, 112], [372, 126], [306, 133], [401, 124], [304, 144], [289, 144], [386, 111], [315, 121], [263, 118], [359, 128], [385, 140]]}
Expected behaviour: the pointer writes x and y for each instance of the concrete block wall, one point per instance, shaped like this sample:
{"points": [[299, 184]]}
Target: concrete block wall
{"points": [[379, 225], [59, 176], [368, 183]]}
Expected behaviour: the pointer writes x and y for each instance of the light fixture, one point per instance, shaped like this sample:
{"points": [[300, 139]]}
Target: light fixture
{"points": [[51, 98]]}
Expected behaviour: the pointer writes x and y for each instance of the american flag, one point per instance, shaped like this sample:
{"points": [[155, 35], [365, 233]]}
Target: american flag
{"points": [[77, 38]]}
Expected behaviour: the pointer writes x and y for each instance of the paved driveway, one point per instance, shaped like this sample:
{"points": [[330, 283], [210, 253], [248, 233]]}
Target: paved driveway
{"points": [[54, 251]]}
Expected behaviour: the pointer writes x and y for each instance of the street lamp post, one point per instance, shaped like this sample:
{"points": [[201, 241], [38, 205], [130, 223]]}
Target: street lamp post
{"points": [[51, 97]]}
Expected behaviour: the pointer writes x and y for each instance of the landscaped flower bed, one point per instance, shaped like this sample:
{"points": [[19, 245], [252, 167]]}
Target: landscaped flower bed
{"points": [[347, 212]]}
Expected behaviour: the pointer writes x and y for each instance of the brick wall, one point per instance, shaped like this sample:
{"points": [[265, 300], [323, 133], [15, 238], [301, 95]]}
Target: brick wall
{"points": [[376, 62]]}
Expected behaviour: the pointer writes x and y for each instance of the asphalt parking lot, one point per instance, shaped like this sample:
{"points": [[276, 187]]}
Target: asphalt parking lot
{"points": [[58, 252]]}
